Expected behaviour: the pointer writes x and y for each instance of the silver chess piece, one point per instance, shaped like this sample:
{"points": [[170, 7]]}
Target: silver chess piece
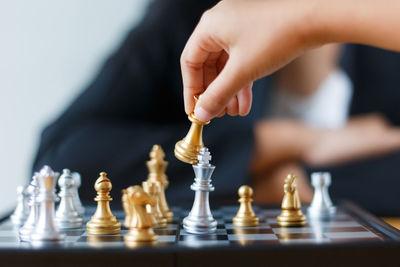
{"points": [[321, 206], [21, 212], [200, 220], [45, 229], [67, 216], [32, 192], [76, 199]]}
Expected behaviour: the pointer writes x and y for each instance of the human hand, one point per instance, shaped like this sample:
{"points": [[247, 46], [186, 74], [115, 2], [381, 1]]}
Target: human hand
{"points": [[235, 43]]}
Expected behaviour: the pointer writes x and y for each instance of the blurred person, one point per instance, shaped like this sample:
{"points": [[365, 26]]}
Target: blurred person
{"points": [[136, 101]]}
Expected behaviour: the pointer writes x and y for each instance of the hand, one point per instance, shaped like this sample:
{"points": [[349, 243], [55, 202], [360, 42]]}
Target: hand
{"points": [[239, 41], [235, 43]]}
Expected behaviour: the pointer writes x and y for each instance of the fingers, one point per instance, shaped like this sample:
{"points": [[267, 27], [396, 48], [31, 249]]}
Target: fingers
{"points": [[245, 98], [199, 49], [221, 93]]}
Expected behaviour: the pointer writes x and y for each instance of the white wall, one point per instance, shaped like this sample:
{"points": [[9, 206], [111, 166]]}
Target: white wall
{"points": [[49, 51]]}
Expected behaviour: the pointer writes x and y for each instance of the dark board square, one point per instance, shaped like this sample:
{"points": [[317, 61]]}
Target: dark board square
{"points": [[249, 231]]}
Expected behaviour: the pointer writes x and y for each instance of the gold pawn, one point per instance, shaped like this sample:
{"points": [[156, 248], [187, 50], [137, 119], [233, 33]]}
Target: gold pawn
{"points": [[188, 148], [291, 214], [157, 167], [245, 215], [153, 189], [103, 222]]}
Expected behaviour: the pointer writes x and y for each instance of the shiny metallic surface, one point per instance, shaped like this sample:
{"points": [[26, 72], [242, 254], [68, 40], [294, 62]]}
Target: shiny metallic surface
{"points": [[67, 216], [103, 222], [200, 219], [189, 147], [21, 212], [45, 229], [76, 199], [32, 191], [157, 167], [321, 206]]}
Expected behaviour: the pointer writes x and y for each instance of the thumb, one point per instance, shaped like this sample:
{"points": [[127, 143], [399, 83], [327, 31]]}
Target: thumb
{"points": [[218, 94]]}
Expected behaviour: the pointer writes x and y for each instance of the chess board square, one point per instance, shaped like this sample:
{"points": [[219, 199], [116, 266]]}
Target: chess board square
{"points": [[252, 237], [293, 230], [346, 229], [350, 235], [161, 231], [296, 236], [249, 230], [190, 237], [304, 241], [262, 224], [166, 239]]}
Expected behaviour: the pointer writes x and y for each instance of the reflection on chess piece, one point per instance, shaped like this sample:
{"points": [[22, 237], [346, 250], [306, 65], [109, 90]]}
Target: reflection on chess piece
{"points": [[103, 222], [157, 167], [291, 214], [245, 215], [138, 219], [154, 189], [189, 147]]}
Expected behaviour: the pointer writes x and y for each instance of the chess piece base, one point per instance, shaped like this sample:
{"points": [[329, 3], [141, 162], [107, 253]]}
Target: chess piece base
{"points": [[291, 218], [200, 225], [245, 221], [321, 213], [103, 227], [145, 235]]}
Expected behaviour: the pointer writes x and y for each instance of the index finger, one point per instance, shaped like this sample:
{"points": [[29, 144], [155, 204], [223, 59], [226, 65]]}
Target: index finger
{"points": [[197, 50]]}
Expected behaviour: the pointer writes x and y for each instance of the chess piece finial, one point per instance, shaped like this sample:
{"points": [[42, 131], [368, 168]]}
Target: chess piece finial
{"points": [[291, 214], [245, 215], [138, 220], [321, 206], [189, 147], [153, 189], [157, 167], [45, 229], [103, 222], [67, 215]]}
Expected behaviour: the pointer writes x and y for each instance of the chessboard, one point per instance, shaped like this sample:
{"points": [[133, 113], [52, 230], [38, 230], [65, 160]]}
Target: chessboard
{"points": [[352, 235]]}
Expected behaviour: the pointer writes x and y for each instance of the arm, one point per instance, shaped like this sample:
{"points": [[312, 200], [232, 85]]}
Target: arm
{"points": [[237, 42]]}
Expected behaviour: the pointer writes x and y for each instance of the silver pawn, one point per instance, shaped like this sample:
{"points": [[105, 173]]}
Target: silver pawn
{"points": [[21, 212], [321, 206], [200, 220], [67, 216], [76, 199], [45, 229], [32, 191]]}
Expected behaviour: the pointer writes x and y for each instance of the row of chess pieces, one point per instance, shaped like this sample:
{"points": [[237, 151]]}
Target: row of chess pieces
{"points": [[145, 206], [38, 221]]}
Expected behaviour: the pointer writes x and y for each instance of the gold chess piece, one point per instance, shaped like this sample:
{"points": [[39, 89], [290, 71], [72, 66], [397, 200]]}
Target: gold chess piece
{"points": [[103, 222], [154, 189], [291, 214], [189, 147], [138, 220], [245, 215], [157, 167]]}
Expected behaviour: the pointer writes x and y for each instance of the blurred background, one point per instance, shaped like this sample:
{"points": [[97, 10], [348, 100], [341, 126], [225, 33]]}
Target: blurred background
{"points": [[49, 51]]}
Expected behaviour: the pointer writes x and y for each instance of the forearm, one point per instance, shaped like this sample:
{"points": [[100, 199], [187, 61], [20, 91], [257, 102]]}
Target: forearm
{"points": [[368, 22]]}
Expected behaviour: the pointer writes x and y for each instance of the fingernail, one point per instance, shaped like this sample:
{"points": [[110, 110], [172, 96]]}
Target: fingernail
{"points": [[201, 114]]}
